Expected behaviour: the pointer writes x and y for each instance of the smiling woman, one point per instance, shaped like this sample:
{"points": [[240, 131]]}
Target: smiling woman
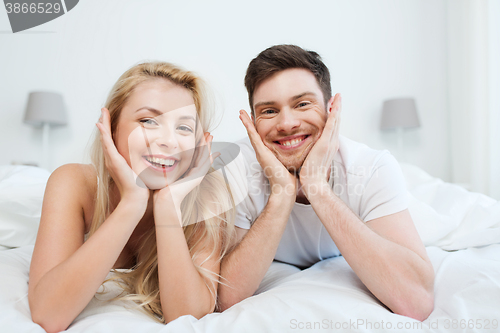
{"points": [[140, 207], [157, 132]]}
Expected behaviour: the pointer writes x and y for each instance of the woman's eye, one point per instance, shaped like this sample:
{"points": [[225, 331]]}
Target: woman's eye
{"points": [[148, 121], [185, 128]]}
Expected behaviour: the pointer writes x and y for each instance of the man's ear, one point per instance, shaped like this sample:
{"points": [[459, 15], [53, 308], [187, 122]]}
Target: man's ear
{"points": [[330, 104]]}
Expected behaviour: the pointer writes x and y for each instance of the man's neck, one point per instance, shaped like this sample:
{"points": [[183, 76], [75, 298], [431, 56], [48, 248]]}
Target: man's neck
{"points": [[300, 197]]}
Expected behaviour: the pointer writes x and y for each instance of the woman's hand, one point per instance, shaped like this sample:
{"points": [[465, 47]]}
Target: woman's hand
{"points": [[202, 160], [128, 183]]}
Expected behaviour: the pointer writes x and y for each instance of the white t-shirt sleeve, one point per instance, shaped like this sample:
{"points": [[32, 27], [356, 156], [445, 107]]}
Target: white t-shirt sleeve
{"points": [[385, 191], [235, 175], [243, 218]]}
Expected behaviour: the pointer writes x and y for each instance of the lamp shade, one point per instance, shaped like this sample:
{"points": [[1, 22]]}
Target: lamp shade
{"points": [[45, 108], [399, 113]]}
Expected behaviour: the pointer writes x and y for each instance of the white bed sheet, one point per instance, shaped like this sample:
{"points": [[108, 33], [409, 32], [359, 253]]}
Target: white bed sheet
{"points": [[21, 194], [461, 231], [326, 296]]}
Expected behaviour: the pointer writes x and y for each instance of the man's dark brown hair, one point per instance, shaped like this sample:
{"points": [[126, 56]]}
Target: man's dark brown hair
{"points": [[280, 57]]}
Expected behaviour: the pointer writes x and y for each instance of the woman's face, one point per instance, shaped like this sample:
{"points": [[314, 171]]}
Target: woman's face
{"points": [[156, 132]]}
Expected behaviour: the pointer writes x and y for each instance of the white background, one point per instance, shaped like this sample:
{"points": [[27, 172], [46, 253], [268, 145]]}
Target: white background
{"points": [[375, 50]]}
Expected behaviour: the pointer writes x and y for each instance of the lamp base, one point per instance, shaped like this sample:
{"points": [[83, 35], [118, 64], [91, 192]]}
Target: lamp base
{"points": [[45, 146], [401, 152]]}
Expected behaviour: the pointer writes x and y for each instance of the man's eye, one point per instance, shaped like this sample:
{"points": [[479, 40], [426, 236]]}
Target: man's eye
{"points": [[148, 121], [268, 111], [302, 104], [185, 128]]}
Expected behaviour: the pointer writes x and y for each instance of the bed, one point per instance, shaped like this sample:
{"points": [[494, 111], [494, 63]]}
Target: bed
{"points": [[460, 229]]}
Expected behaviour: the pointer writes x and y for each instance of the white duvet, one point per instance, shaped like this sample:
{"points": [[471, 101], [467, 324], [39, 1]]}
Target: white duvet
{"points": [[461, 231]]}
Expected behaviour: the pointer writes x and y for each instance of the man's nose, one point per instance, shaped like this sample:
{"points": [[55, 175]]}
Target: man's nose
{"points": [[287, 121]]}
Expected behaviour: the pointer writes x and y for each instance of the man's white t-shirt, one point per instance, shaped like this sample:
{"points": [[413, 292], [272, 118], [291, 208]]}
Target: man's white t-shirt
{"points": [[368, 181]]}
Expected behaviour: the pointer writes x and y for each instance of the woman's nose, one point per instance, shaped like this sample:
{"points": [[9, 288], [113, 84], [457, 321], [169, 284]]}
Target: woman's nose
{"points": [[287, 121], [166, 139]]}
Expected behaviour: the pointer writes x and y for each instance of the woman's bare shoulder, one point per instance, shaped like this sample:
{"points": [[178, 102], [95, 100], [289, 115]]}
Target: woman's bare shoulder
{"points": [[79, 184], [80, 178], [83, 174]]}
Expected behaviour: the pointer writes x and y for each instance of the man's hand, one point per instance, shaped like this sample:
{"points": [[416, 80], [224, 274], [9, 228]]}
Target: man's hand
{"points": [[316, 167], [281, 180]]}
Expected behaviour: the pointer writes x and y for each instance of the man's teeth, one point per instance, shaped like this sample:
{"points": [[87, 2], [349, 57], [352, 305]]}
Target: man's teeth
{"points": [[162, 161], [291, 142]]}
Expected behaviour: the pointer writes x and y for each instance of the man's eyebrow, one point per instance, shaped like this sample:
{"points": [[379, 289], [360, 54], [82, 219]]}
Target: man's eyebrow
{"points": [[302, 95], [263, 104], [293, 98]]}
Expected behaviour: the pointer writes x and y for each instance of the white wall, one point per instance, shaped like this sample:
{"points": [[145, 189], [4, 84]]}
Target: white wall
{"points": [[494, 96], [375, 50], [474, 100]]}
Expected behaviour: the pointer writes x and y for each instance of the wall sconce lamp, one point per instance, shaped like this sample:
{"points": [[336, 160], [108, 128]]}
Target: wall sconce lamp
{"points": [[45, 109], [399, 114]]}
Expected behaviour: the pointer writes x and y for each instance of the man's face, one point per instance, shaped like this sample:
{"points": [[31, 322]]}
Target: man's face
{"points": [[290, 115]]}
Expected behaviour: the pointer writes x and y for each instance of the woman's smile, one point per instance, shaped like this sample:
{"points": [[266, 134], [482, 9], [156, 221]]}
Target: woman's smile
{"points": [[161, 163]]}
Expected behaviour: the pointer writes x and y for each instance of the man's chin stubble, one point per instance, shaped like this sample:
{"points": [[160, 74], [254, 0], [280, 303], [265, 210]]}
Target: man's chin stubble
{"points": [[295, 170]]}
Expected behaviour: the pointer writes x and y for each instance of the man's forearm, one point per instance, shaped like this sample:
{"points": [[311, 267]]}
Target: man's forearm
{"points": [[244, 268], [396, 275]]}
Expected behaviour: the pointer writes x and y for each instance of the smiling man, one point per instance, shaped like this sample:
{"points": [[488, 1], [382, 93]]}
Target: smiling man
{"points": [[313, 194]]}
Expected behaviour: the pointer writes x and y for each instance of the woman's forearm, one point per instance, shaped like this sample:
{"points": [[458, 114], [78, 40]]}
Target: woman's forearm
{"points": [[63, 292], [182, 288]]}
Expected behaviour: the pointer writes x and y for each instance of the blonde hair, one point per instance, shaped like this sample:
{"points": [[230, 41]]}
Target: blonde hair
{"points": [[209, 202]]}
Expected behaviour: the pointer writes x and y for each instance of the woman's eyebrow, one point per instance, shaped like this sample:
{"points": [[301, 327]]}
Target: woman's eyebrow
{"points": [[159, 113], [150, 109], [187, 118]]}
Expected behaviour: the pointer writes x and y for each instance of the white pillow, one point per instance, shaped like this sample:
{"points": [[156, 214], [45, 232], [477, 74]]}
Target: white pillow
{"points": [[21, 195], [448, 216]]}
